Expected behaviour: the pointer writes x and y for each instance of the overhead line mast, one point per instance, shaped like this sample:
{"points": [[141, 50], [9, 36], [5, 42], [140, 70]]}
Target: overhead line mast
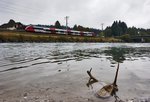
{"points": [[102, 24], [66, 18]]}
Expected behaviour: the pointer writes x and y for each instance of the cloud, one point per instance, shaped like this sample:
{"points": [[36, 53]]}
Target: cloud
{"points": [[90, 13]]}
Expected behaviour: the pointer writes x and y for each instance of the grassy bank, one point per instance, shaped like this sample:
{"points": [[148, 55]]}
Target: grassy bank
{"points": [[22, 36]]}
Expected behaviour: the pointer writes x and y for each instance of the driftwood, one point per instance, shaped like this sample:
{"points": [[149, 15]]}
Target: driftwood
{"points": [[91, 76], [92, 79], [111, 89], [107, 90]]}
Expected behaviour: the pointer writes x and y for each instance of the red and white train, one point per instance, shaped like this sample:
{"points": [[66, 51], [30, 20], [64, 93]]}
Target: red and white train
{"points": [[40, 29]]}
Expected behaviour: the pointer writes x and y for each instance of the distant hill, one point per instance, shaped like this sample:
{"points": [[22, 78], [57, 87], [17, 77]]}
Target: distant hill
{"points": [[12, 25]]}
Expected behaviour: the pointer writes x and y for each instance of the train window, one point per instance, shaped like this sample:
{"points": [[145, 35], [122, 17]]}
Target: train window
{"points": [[39, 28]]}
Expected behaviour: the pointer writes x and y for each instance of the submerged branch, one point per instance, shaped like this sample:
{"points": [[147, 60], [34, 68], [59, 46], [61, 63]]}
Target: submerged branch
{"points": [[92, 79], [91, 76]]}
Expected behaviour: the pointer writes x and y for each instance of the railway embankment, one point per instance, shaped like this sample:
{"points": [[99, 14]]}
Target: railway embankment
{"points": [[23, 36]]}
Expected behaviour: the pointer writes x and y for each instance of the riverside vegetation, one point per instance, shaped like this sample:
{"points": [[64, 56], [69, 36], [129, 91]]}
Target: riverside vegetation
{"points": [[22, 36], [117, 32]]}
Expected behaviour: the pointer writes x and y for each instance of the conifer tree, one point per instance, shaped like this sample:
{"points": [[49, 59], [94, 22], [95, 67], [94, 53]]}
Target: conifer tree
{"points": [[57, 24]]}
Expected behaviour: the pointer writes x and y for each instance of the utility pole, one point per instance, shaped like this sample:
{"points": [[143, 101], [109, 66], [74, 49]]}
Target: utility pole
{"points": [[102, 33], [102, 24], [66, 18]]}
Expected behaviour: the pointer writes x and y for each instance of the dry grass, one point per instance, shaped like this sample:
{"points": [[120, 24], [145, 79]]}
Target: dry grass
{"points": [[22, 36]]}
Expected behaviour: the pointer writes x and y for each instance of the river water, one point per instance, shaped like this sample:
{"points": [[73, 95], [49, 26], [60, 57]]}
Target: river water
{"points": [[49, 72]]}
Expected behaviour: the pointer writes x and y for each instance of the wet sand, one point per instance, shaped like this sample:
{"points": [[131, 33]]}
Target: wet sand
{"points": [[51, 80]]}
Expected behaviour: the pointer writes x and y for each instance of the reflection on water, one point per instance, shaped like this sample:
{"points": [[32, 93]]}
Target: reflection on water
{"points": [[16, 54], [117, 54], [63, 67], [110, 89], [107, 90], [91, 80]]}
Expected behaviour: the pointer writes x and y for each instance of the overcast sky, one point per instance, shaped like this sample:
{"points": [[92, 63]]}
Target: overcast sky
{"points": [[88, 13]]}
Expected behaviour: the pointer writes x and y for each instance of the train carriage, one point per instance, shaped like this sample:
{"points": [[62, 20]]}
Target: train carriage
{"points": [[40, 29]]}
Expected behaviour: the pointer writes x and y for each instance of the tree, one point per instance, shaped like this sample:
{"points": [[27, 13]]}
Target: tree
{"points": [[11, 23], [80, 28], [119, 28], [132, 31], [126, 38], [108, 32], [75, 27], [124, 27], [57, 24], [115, 29]]}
